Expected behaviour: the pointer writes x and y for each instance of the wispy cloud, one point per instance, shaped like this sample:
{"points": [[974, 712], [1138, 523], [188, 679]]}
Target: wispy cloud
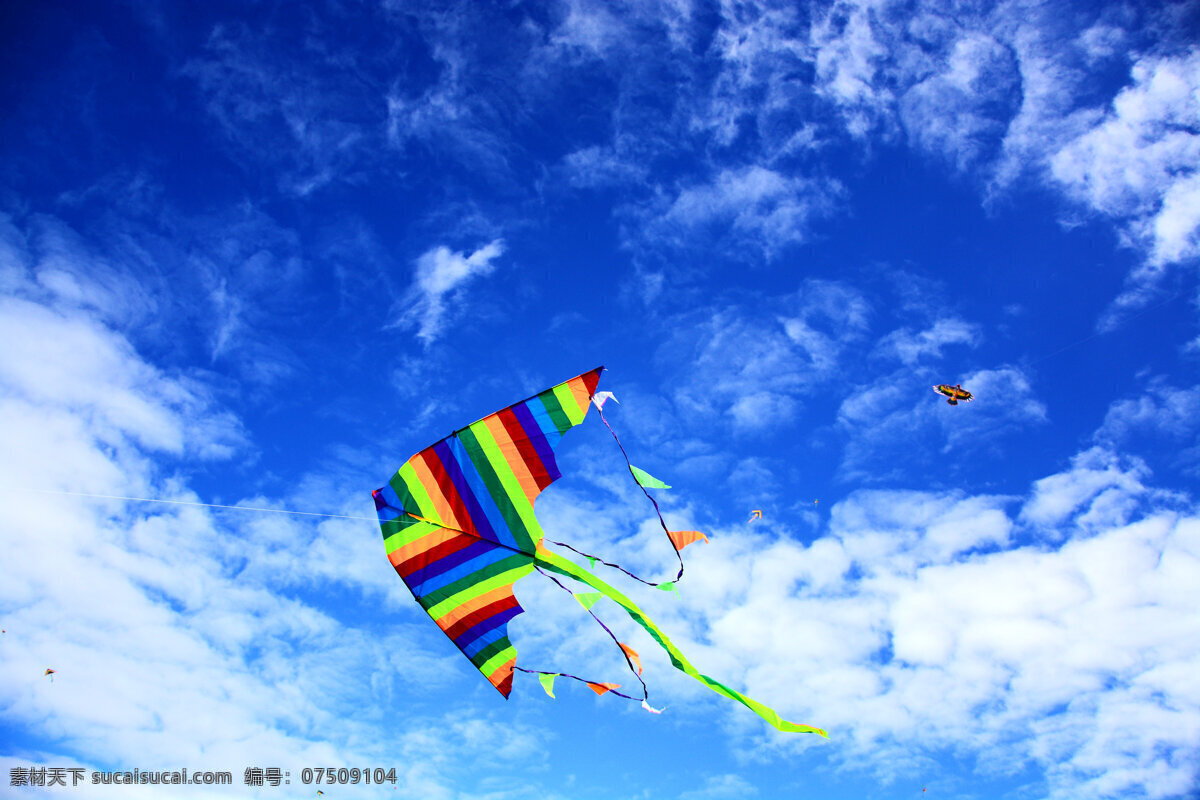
{"points": [[289, 102], [442, 274], [891, 426], [754, 364], [911, 346], [750, 207]]}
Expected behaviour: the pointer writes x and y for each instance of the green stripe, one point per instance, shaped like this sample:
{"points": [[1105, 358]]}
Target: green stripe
{"points": [[554, 409], [497, 660], [500, 496], [394, 526], [417, 491], [570, 405], [407, 501], [491, 651], [412, 533], [556, 563], [503, 485], [502, 573]]}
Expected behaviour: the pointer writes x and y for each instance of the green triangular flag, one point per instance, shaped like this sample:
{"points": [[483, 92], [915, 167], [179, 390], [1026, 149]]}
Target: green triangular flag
{"points": [[547, 681], [669, 586], [646, 479], [588, 599], [591, 561]]}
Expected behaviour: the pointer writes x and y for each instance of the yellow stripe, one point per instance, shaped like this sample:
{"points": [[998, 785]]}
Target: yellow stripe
{"points": [[438, 503], [570, 406], [579, 389], [434, 536], [504, 471], [471, 606], [497, 663], [504, 670], [471, 592], [513, 457]]}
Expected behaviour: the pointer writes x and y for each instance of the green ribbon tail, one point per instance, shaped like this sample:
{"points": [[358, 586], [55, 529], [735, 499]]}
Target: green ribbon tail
{"points": [[556, 563]]}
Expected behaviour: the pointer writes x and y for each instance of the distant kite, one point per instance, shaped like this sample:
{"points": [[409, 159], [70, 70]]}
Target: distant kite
{"points": [[459, 527], [49, 673], [954, 393]]}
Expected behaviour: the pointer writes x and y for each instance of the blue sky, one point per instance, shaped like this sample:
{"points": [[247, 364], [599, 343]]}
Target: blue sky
{"points": [[259, 254]]}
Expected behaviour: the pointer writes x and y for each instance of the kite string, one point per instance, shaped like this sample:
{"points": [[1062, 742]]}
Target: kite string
{"points": [[609, 564], [189, 503], [611, 635], [572, 677], [657, 510], [1120, 324]]}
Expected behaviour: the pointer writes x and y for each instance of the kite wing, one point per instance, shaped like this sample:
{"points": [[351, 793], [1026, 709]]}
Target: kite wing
{"points": [[953, 392], [458, 521]]}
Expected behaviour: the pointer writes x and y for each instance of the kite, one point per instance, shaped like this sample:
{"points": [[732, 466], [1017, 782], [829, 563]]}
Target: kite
{"points": [[49, 673], [459, 528], [955, 393]]}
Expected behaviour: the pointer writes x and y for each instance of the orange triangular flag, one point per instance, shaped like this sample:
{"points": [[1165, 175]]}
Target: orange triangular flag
{"points": [[601, 688], [633, 656], [682, 539]]}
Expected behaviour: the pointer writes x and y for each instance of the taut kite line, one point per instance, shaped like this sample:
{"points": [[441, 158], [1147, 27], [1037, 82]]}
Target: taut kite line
{"points": [[459, 527]]}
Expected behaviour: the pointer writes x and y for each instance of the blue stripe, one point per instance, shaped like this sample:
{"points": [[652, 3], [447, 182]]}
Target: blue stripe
{"points": [[482, 642], [448, 577], [490, 624], [390, 508], [483, 495], [471, 551], [535, 436], [480, 523]]}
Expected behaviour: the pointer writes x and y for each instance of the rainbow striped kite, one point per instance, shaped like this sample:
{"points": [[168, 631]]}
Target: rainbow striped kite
{"points": [[459, 527]]}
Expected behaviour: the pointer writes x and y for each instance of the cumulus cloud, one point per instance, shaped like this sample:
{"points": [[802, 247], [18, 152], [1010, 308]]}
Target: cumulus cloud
{"points": [[924, 620], [442, 274], [1138, 163], [173, 632]]}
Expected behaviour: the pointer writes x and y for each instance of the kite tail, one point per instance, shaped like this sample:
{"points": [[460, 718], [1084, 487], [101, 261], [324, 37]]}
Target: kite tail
{"points": [[611, 635], [556, 563]]}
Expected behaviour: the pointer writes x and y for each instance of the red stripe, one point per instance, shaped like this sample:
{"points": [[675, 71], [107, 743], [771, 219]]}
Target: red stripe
{"points": [[591, 380], [436, 553], [478, 616], [447, 488], [528, 454], [505, 685]]}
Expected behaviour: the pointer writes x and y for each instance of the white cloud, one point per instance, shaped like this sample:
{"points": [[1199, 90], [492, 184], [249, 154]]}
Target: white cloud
{"points": [[754, 364], [749, 207], [720, 786], [1162, 409], [1138, 163], [441, 273], [920, 622], [897, 424], [293, 107], [911, 346], [173, 635], [962, 111]]}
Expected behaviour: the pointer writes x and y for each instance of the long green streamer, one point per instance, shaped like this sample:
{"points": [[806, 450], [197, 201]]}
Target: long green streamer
{"points": [[556, 563]]}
